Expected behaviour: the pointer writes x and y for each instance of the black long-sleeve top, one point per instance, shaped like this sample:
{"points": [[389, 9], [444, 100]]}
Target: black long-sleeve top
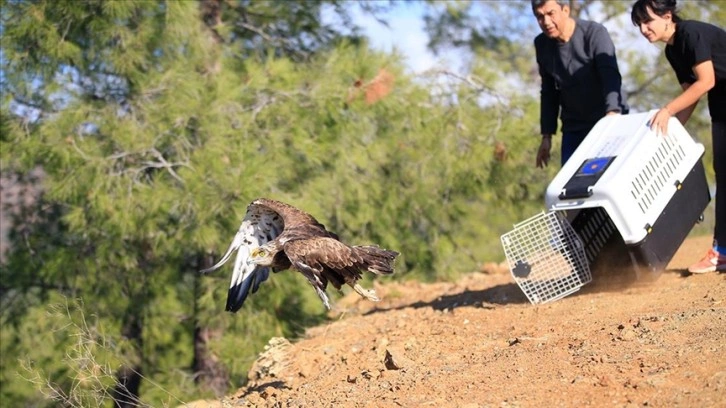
{"points": [[580, 78]]}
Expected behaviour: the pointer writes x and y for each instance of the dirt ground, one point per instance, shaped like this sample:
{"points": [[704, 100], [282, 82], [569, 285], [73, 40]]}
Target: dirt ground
{"points": [[480, 343]]}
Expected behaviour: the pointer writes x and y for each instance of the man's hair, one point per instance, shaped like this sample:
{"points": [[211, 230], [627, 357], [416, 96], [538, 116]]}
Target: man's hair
{"points": [[539, 3], [639, 14]]}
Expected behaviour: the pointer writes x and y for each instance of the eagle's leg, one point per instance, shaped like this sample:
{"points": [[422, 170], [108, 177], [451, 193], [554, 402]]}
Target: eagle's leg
{"points": [[369, 294]]}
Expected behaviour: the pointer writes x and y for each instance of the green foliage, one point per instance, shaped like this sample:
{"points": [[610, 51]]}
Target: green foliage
{"points": [[160, 121], [145, 191]]}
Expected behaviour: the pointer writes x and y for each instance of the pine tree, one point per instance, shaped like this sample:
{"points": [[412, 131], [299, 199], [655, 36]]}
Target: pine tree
{"points": [[128, 107]]}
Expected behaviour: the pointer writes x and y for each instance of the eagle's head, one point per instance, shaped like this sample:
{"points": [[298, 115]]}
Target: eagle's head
{"points": [[262, 256]]}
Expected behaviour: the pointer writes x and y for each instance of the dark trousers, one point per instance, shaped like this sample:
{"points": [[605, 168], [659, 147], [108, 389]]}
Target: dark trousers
{"points": [[570, 141], [718, 134]]}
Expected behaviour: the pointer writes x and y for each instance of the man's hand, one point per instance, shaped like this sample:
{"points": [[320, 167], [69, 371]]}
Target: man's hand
{"points": [[543, 153]]}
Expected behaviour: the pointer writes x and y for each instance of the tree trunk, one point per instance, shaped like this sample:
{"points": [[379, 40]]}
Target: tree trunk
{"points": [[128, 378], [209, 372], [211, 11]]}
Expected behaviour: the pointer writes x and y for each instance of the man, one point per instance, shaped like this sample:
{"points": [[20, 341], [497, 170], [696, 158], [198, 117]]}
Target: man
{"points": [[580, 76]]}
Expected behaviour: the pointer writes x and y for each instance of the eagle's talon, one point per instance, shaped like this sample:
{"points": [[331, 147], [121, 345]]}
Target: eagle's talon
{"points": [[369, 294]]}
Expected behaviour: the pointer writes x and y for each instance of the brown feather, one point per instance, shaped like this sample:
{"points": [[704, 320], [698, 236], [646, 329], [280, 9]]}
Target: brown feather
{"points": [[291, 216], [340, 262]]}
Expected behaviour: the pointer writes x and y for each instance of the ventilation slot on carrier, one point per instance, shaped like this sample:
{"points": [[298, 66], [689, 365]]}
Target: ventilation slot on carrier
{"points": [[656, 173]]}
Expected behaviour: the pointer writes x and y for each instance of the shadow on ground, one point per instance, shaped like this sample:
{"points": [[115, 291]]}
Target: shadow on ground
{"points": [[263, 387], [504, 294]]}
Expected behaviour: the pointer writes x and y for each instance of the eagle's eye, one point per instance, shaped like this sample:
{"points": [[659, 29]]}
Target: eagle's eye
{"points": [[259, 252]]}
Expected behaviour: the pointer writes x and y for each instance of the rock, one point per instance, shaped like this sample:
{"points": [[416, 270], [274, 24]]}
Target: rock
{"points": [[628, 335], [717, 381], [395, 359], [604, 381], [380, 347], [272, 361]]}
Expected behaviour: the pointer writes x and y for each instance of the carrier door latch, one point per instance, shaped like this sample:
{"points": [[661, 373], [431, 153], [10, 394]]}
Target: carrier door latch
{"points": [[576, 192]]}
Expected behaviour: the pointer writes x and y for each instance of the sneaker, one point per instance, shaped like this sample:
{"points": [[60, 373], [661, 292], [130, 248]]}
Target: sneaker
{"points": [[712, 262]]}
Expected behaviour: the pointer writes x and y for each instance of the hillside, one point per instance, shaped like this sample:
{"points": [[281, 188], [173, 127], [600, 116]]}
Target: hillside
{"points": [[479, 343]]}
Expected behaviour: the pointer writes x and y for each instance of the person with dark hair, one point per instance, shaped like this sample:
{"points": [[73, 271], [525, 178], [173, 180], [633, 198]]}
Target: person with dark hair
{"points": [[580, 77], [697, 53]]}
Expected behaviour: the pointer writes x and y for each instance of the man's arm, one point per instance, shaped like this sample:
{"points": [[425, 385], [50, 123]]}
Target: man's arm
{"points": [[606, 64], [549, 106]]}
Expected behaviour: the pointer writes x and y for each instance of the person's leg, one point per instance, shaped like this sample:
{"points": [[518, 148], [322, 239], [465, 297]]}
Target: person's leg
{"points": [[719, 166], [570, 142], [715, 259]]}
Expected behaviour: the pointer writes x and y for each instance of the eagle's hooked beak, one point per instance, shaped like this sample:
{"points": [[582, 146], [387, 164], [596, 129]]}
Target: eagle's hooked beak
{"points": [[253, 255]]}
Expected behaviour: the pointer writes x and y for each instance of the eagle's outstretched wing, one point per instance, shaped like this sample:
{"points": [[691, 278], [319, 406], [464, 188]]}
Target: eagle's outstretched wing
{"points": [[294, 218], [260, 225]]}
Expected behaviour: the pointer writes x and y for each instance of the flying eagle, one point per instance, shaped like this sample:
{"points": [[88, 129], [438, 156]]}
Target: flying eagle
{"points": [[278, 236]]}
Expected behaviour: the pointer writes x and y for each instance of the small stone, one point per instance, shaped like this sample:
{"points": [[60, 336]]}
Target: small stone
{"points": [[717, 381], [628, 335], [395, 359]]}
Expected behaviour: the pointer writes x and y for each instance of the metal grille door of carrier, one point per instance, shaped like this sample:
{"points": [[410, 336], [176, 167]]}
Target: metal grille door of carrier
{"points": [[546, 257]]}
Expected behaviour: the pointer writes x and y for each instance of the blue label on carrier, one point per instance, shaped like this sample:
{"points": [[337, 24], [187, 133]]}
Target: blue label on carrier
{"points": [[581, 184], [594, 166]]}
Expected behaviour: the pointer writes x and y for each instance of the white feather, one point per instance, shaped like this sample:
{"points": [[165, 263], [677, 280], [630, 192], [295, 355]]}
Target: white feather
{"points": [[259, 226]]}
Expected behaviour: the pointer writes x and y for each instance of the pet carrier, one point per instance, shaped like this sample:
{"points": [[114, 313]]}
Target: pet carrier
{"points": [[631, 195]]}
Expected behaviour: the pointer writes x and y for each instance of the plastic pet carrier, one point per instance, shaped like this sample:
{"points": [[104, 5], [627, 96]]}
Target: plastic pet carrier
{"points": [[630, 196]]}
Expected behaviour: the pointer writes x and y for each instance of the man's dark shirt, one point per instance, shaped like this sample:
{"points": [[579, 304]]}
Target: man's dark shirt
{"points": [[694, 43], [580, 77]]}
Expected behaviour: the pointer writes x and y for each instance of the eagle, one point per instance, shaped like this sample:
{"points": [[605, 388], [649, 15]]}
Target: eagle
{"points": [[277, 236]]}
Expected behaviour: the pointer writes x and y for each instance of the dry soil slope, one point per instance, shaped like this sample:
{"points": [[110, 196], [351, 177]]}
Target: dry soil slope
{"points": [[478, 343]]}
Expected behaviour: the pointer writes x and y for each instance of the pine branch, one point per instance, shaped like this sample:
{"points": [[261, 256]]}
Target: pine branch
{"points": [[161, 163], [475, 83]]}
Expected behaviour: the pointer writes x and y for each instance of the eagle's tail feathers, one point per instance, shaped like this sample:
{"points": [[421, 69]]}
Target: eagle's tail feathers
{"points": [[377, 260]]}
